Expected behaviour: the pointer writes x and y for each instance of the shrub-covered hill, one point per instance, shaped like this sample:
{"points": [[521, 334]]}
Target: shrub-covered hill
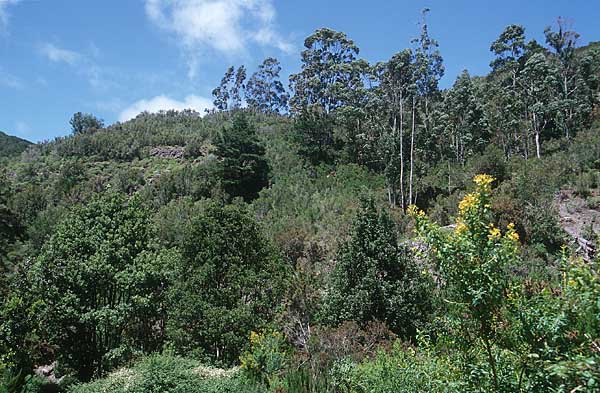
{"points": [[11, 145], [168, 156], [306, 214], [367, 233]]}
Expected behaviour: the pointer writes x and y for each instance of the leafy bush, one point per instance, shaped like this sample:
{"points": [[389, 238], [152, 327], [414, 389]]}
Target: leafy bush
{"points": [[169, 374], [91, 286], [472, 260], [228, 282], [266, 358], [401, 370], [10, 380], [376, 279]]}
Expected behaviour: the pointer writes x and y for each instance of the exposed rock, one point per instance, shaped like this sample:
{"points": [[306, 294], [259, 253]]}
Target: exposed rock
{"points": [[47, 372], [577, 219], [167, 151]]}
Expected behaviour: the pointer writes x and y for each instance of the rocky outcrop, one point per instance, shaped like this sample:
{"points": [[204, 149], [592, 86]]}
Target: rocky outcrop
{"points": [[167, 151], [47, 372], [580, 221]]}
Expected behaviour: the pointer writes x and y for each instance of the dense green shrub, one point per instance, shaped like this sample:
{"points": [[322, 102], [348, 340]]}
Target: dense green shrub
{"points": [[126, 141], [266, 358], [401, 370], [376, 279], [11, 146], [228, 282], [92, 282], [193, 180], [169, 374]]}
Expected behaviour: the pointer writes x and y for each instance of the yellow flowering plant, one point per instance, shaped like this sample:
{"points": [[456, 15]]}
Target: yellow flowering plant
{"points": [[266, 357], [472, 260]]}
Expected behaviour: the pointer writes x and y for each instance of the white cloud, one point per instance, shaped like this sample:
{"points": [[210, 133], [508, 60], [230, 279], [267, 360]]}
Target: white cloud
{"points": [[162, 102], [85, 64], [4, 13], [58, 55], [226, 26]]}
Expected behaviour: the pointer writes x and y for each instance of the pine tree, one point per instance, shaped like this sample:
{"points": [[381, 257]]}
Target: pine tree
{"points": [[375, 279], [244, 169]]}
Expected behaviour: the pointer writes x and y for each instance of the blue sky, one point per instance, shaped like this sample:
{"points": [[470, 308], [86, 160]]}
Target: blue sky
{"points": [[115, 58]]}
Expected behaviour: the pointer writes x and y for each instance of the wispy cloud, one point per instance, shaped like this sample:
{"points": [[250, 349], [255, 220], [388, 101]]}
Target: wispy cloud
{"points": [[85, 65], [10, 81], [113, 104], [226, 26], [4, 15], [22, 129], [59, 55], [163, 102]]}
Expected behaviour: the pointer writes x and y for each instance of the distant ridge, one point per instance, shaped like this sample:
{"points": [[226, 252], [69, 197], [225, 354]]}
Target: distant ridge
{"points": [[12, 145]]}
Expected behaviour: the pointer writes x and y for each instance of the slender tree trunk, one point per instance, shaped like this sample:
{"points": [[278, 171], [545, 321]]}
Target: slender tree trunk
{"points": [[449, 190], [412, 142], [537, 136], [566, 90], [526, 136], [391, 185], [402, 153]]}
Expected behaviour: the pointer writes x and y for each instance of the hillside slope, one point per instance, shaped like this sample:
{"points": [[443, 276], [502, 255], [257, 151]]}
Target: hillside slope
{"points": [[12, 145]]}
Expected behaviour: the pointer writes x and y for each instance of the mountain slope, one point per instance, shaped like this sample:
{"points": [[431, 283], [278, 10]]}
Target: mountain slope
{"points": [[12, 145]]}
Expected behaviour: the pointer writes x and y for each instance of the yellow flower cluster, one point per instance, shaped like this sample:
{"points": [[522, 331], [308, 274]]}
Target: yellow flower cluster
{"points": [[414, 211], [472, 200], [255, 338], [468, 202], [511, 233], [460, 227], [483, 180], [494, 232]]}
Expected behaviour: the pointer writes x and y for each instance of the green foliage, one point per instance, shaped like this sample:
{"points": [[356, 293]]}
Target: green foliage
{"points": [[401, 370], [228, 282], [328, 71], [169, 374], [266, 358], [229, 93], [93, 283], [11, 146], [10, 228], [36, 384], [82, 123], [244, 170], [472, 261], [10, 381], [462, 120], [318, 204], [264, 91], [376, 279], [554, 330], [191, 180], [330, 77], [178, 262], [130, 140]]}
